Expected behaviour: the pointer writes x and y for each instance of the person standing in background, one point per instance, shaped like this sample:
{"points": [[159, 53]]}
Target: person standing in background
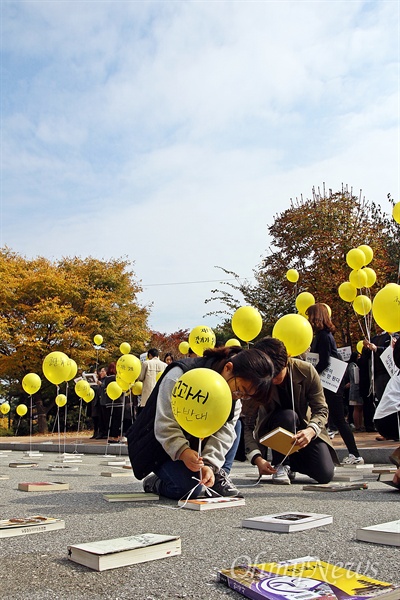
{"points": [[151, 368]]}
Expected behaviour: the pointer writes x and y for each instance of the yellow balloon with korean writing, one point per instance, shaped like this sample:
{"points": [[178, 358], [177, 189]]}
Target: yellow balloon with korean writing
{"points": [[201, 402], [128, 367], [201, 338], [5, 408], [56, 367], [61, 400], [31, 383]]}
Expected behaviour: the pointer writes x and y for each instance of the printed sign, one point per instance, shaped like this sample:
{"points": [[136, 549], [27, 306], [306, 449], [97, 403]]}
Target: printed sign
{"points": [[333, 374], [344, 353]]}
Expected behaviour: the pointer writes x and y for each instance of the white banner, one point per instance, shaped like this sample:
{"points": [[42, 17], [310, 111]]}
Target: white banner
{"points": [[387, 359], [344, 353], [333, 374]]}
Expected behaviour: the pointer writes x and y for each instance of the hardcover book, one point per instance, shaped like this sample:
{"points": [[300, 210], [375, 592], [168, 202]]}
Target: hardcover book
{"points": [[335, 487], [134, 497], [27, 525], [280, 440], [287, 522], [211, 503], [383, 533], [43, 486], [120, 552], [309, 580]]}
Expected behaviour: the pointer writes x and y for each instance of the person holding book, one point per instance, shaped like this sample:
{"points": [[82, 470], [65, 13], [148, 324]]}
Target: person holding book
{"points": [[157, 444], [295, 402]]}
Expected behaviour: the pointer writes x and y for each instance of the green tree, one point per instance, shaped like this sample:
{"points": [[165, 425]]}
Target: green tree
{"points": [[314, 236], [47, 306]]}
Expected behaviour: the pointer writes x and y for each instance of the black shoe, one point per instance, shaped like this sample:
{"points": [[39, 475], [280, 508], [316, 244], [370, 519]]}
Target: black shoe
{"points": [[224, 486], [151, 484]]}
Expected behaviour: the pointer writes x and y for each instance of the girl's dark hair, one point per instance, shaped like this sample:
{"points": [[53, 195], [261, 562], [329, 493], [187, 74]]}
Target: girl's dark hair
{"points": [[276, 350], [250, 364], [354, 357], [319, 317], [111, 369], [396, 353], [167, 355]]}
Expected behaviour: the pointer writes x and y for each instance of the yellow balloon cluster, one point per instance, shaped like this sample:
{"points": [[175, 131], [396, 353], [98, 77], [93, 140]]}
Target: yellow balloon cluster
{"points": [[31, 383], [201, 338], [201, 402], [246, 323]]}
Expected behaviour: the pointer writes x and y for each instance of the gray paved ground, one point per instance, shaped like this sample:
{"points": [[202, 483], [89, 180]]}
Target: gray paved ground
{"points": [[36, 566]]}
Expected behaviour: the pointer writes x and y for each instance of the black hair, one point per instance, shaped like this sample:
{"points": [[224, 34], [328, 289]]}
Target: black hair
{"points": [[169, 354], [396, 353], [152, 352], [276, 350], [354, 357]]}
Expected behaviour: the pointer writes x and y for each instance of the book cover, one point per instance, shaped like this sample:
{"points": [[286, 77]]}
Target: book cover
{"points": [[134, 497], [120, 473], [19, 465], [27, 525], [120, 552], [335, 487], [211, 503], [383, 533], [287, 522], [280, 440], [43, 486], [309, 580]]}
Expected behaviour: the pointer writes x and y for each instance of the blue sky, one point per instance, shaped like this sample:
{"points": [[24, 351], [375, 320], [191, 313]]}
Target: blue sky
{"points": [[172, 133]]}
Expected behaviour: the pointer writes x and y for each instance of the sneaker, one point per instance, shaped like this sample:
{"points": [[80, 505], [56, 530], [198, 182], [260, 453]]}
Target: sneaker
{"points": [[282, 475], [353, 460], [224, 486], [332, 433], [151, 484]]}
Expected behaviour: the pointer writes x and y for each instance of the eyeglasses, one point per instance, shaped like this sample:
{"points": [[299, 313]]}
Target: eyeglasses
{"points": [[240, 394]]}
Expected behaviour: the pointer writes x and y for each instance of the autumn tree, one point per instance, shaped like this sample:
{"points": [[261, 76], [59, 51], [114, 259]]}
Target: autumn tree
{"points": [[313, 236], [47, 306], [168, 342]]}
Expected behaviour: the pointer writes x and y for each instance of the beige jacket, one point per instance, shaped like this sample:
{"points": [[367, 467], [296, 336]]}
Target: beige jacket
{"points": [[148, 375]]}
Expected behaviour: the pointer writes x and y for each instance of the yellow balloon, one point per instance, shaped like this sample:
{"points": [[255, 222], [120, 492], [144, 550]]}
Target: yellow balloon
{"points": [[360, 346], [201, 402], [113, 390], [31, 383], [5, 408], [371, 276], [124, 385], [347, 291], [368, 252], [125, 348], [362, 305], [82, 388], [355, 258], [396, 212], [98, 339], [56, 367], [292, 275], [295, 332], [246, 323], [184, 347], [137, 388], [21, 410], [89, 396], [358, 278], [61, 400], [386, 308], [73, 370], [304, 301], [201, 338], [232, 342], [128, 367]]}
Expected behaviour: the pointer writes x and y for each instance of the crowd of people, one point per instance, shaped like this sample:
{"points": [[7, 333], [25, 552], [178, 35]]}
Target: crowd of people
{"points": [[269, 389]]}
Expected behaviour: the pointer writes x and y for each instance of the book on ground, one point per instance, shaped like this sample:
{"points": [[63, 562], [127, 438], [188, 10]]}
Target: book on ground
{"points": [[113, 463], [43, 486], [120, 552], [19, 465], [311, 579], [388, 479], [385, 469], [364, 467], [63, 468], [287, 522], [280, 440], [27, 525], [4, 477], [383, 533], [134, 497], [211, 503], [120, 473], [335, 487], [347, 476]]}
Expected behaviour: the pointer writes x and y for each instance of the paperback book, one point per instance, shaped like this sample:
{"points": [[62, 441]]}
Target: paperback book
{"points": [[310, 579], [43, 486], [335, 487], [134, 497], [120, 552], [118, 473], [383, 533], [27, 525], [280, 440], [21, 465], [287, 522], [211, 503]]}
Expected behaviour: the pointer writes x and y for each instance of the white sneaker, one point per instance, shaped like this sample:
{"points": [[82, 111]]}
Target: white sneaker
{"points": [[353, 460], [281, 477]]}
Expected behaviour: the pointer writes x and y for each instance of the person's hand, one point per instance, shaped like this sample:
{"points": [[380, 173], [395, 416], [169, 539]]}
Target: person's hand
{"points": [[369, 345], [396, 477], [264, 467], [192, 460], [207, 476], [304, 437]]}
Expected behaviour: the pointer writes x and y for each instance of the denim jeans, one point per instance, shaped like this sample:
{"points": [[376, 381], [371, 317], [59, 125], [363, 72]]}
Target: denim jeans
{"points": [[230, 455], [176, 480]]}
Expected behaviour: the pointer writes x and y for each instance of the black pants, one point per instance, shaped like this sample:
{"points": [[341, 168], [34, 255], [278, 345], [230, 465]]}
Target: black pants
{"points": [[314, 460], [388, 426], [336, 416]]}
